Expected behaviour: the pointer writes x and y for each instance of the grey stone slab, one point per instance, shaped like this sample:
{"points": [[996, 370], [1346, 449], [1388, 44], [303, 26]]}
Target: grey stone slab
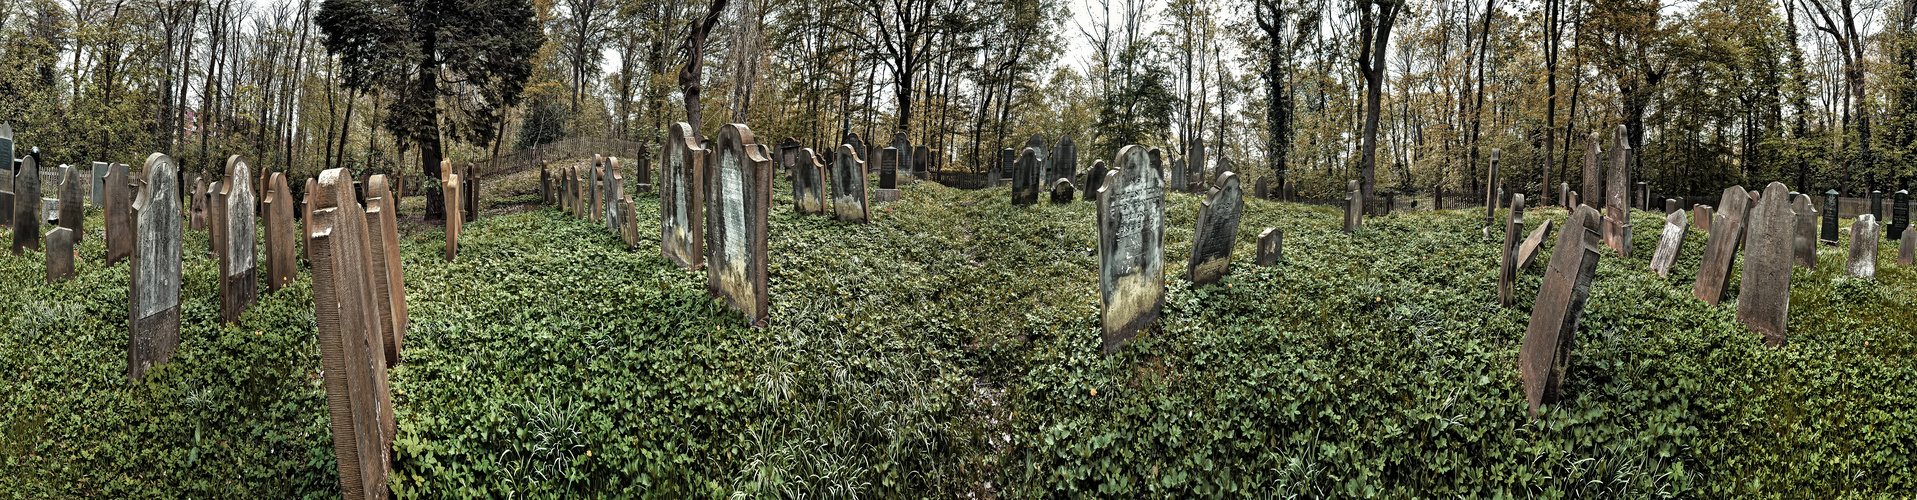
{"points": [[26, 206], [681, 196], [1545, 356], [1025, 178], [239, 279], [1701, 217], [1094, 179], [73, 201], [1217, 232], [1271, 247], [1677, 225], [1065, 160], [1062, 191], [1041, 148], [1906, 247], [352, 355], [1196, 159], [60, 243], [849, 187], [1179, 178], [1529, 250], [98, 180], [737, 200], [808, 182], [1131, 245], [1508, 256], [1721, 244], [118, 212], [1804, 237], [1593, 187], [154, 286], [1863, 247], [1354, 207], [1764, 290]]}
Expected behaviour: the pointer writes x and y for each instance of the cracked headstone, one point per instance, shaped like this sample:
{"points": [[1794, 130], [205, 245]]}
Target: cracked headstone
{"points": [[1545, 355], [1131, 252]]}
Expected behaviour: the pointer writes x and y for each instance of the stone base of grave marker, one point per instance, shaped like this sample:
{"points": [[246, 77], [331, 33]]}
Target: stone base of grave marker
{"points": [[885, 195]]}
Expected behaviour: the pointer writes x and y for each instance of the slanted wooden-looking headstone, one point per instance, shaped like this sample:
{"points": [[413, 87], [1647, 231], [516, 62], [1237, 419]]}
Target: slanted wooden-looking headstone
{"points": [[848, 186], [73, 204], [1528, 251], [1863, 247], [1677, 225], [351, 351], [118, 208], [738, 198], [1804, 238], [455, 220], [681, 198], [60, 243], [1271, 247], [388, 282], [1726, 234], [1593, 188], [1617, 195], [26, 206], [153, 298], [1508, 265], [1354, 207], [1131, 245], [1764, 290], [808, 182], [1546, 352], [239, 280], [1025, 183], [1217, 231], [629, 224], [281, 268]]}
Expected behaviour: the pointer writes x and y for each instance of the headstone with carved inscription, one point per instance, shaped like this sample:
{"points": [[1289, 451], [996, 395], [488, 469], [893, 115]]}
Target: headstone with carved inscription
{"points": [[352, 353], [1217, 231], [1804, 237], [1863, 247], [238, 274], [1725, 235], [682, 197], [1764, 289], [153, 298], [1131, 253], [737, 199]]}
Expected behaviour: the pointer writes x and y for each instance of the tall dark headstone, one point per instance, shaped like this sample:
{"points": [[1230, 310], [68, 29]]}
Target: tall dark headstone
{"points": [[1263, 191], [352, 355], [1217, 231], [1863, 247], [1617, 191], [6, 176], [921, 158], [1726, 234], [848, 187], [1593, 188], [1094, 179], [1040, 147], [1008, 161], [1876, 209], [1065, 161], [118, 214], [737, 199], [1545, 355], [889, 168], [858, 146], [1508, 264], [1764, 289], [1025, 178], [1564, 196], [902, 163], [388, 280], [1131, 251], [26, 206], [153, 299], [1179, 178], [681, 189], [1899, 213], [1804, 237], [73, 204]]}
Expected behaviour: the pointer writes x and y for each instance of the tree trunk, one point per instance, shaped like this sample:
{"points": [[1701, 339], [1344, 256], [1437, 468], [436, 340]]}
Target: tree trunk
{"points": [[695, 64]]}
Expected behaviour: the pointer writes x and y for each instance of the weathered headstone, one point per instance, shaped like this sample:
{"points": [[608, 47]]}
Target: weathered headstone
{"points": [[238, 274], [643, 182], [1131, 252], [455, 221], [352, 354], [921, 162], [1643, 196], [1764, 290], [470, 189], [1804, 238], [1263, 191], [153, 298], [118, 210], [1062, 191], [1564, 196], [1025, 178], [197, 207], [681, 197], [1508, 265], [737, 200], [889, 168], [1863, 247], [1041, 171], [1065, 161], [1545, 355], [902, 162], [60, 243], [26, 206], [858, 145], [1179, 178], [281, 268], [1196, 157], [1094, 179], [545, 185], [1877, 207], [808, 175], [1701, 217], [1007, 161], [596, 190], [388, 280], [1899, 213], [73, 203], [98, 180], [1528, 251], [1726, 234], [1670, 205], [1907, 246], [849, 187], [1676, 226], [306, 219], [615, 190], [1217, 231], [1354, 208], [1593, 188], [7, 166], [1492, 195], [1617, 207], [1271, 247]]}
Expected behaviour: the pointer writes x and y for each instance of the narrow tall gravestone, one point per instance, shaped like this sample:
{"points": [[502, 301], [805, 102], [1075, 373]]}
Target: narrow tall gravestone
{"points": [[737, 201], [615, 190], [281, 268], [901, 165], [1676, 226], [1491, 195], [1196, 160], [239, 279], [1720, 247], [1593, 188], [681, 198], [455, 220], [73, 204], [26, 206], [1617, 193], [119, 215], [1065, 161], [1354, 207], [808, 178], [352, 355], [1764, 291], [1899, 213], [1094, 179], [1877, 208], [1863, 247], [1217, 232], [1131, 245], [889, 168], [1546, 352], [1025, 178], [153, 298], [98, 180], [921, 159], [1804, 238], [1178, 176], [196, 208], [388, 282], [6, 176], [1508, 265], [848, 187], [1040, 170], [1907, 247]]}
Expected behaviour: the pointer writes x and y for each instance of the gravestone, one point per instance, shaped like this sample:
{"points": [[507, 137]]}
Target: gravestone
{"points": [[1564, 196], [455, 221], [681, 196], [1508, 264], [352, 355], [629, 227], [1025, 178], [1670, 205], [737, 200], [1271, 247], [153, 297], [615, 190], [921, 162], [1617, 208], [1764, 289], [1062, 191], [1217, 231], [643, 183], [1906, 246], [1196, 156], [118, 214], [858, 145], [1701, 216], [1725, 235], [808, 192], [889, 168], [1040, 148], [545, 185], [1263, 191], [1008, 161], [7, 167], [596, 189], [1178, 176], [1131, 239], [901, 162], [1804, 237], [73, 203], [238, 275], [98, 179], [1643, 196], [1863, 247], [1493, 196], [1877, 208], [1528, 251], [60, 243], [1545, 355], [1094, 179], [1065, 161], [1593, 188], [306, 219], [281, 268], [1676, 226], [388, 280], [1223, 165], [1899, 213], [1354, 208], [848, 187], [470, 191], [26, 206], [197, 206]]}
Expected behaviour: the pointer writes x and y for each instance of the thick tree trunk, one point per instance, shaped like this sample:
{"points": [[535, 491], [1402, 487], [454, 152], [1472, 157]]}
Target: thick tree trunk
{"points": [[695, 64]]}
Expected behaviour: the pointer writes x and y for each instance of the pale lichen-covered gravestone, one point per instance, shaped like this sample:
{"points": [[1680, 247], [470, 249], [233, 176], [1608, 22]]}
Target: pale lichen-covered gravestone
{"points": [[239, 279], [153, 298], [455, 220], [1354, 207], [1271, 247], [681, 198], [1593, 188], [1217, 231], [848, 187], [1546, 352], [615, 190], [1764, 290], [1528, 251], [1025, 175], [1493, 197], [60, 243], [1131, 245], [1508, 265], [1062, 191], [352, 354], [1676, 226], [26, 206], [1906, 248], [1804, 238], [808, 179], [1863, 247], [118, 208], [281, 268], [1065, 161], [73, 204], [388, 282], [1725, 235], [1617, 194], [738, 197]]}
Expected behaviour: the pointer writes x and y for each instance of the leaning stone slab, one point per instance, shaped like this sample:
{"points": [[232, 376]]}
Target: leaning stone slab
{"points": [[1593, 188], [1131, 251], [1721, 245], [1528, 251], [1271, 247], [1617, 195], [738, 197], [281, 266], [118, 208], [1217, 231], [455, 220], [98, 181], [60, 255], [239, 278], [1676, 226], [1764, 290], [153, 298], [1508, 264], [1863, 247], [388, 281], [352, 355], [26, 206], [1804, 237], [1546, 353], [848, 187], [1354, 207], [681, 198]]}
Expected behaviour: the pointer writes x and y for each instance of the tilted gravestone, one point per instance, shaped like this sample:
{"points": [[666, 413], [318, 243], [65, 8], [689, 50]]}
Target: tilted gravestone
{"points": [[60, 243], [1670, 205], [6, 176], [1062, 191], [1271, 247], [1677, 225], [1617, 192], [1906, 247], [1025, 178], [737, 199], [1725, 235], [1899, 213], [26, 206], [239, 279], [848, 187], [1528, 251], [153, 319], [1701, 216], [388, 280], [682, 197], [1131, 245], [1804, 238], [1065, 161], [614, 191], [1593, 188], [281, 268], [455, 220], [1863, 247], [1764, 290], [1354, 207], [306, 219], [1493, 197], [1217, 231], [118, 214], [73, 203], [1545, 355], [1508, 264], [352, 354]]}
